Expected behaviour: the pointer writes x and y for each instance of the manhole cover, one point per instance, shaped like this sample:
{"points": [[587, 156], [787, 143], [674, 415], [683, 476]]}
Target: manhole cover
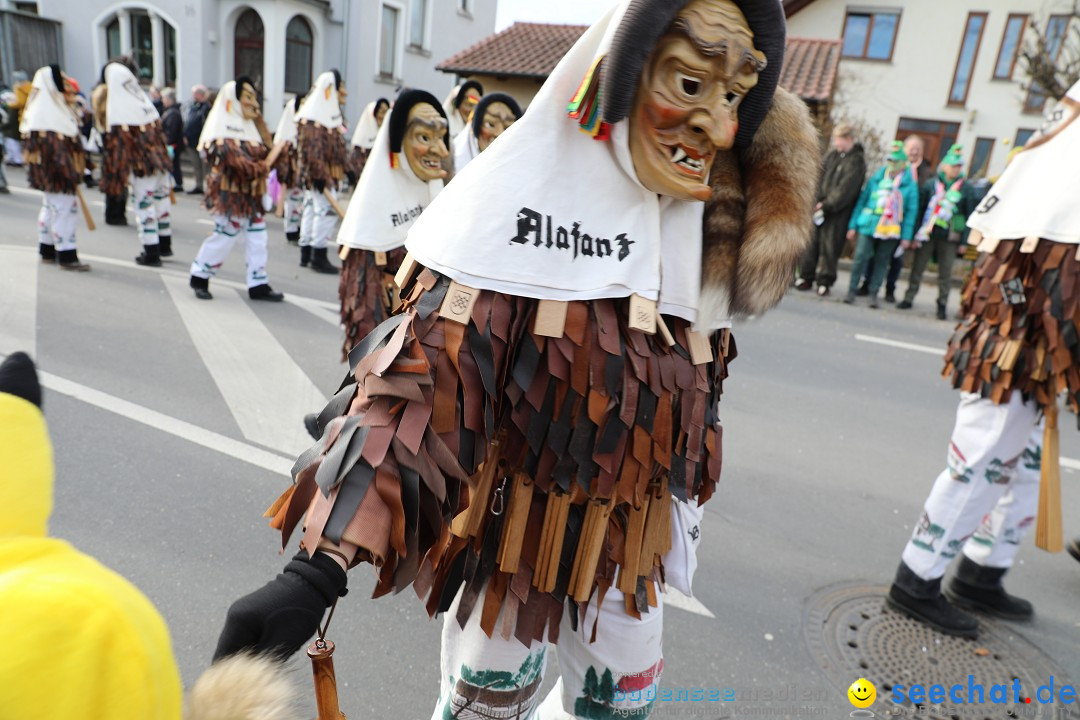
{"points": [[851, 633]]}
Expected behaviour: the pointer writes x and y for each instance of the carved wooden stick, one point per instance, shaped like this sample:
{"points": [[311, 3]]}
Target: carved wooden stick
{"points": [[85, 210], [321, 653]]}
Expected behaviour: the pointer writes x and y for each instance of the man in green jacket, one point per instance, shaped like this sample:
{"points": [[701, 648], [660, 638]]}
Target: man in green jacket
{"points": [[945, 202]]}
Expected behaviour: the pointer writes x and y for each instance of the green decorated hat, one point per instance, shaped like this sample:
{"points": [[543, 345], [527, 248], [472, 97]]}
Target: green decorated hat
{"points": [[896, 152], [955, 156]]}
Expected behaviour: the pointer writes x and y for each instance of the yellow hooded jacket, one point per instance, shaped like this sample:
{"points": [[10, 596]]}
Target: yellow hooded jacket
{"points": [[77, 640]]}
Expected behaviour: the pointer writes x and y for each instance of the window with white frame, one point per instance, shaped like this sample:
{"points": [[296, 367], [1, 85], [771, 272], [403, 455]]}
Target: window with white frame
{"points": [[388, 40], [418, 11]]}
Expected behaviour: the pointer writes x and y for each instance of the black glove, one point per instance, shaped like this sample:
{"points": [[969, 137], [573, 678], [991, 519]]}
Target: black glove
{"points": [[352, 178], [319, 185], [282, 615], [19, 377]]}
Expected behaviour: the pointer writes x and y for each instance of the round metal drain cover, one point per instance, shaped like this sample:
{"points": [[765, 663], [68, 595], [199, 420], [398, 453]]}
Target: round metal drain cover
{"points": [[852, 634]]}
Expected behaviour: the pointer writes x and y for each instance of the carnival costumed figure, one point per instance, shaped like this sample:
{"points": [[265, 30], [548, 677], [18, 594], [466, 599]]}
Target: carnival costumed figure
{"points": [[1011, 355], [56, 161], [234, 143], [528, 442], [288, 169], [459, 105], [493, 116], [403, 175], [322, 157], [136, 153], [366, 131]]}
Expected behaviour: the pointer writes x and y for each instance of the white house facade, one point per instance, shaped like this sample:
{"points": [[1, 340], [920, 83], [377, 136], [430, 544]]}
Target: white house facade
{"points": [[378, 45], [948, 71]]}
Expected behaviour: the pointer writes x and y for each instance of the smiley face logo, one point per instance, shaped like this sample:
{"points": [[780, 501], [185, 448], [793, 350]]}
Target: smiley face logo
{"points": [[862, 693]]}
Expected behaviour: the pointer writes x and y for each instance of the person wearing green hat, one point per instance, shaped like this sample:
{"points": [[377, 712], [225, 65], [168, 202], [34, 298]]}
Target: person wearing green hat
{"points": [[884, 217], [945, 202]]}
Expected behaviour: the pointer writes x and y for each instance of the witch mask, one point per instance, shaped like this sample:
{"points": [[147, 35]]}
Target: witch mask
{"points": [[497, 118], [423, 144], [686, 107]]}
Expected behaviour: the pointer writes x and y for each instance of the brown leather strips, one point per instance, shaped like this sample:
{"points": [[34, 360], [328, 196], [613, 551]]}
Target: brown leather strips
{"points": [[531, 471], [55, 163], [367, 292], [237, 180], [322, 156], [133, 150], [1021, 309]]}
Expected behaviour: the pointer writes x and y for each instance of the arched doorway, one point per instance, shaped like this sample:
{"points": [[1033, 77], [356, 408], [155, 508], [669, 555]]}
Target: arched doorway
{"points": [[248, 44], [298, 51]]}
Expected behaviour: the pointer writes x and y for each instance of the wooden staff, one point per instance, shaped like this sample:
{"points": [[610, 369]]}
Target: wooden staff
{"points": [[271, 159], [333, 203], [85, 210], [1048, 530], [321, 653]]}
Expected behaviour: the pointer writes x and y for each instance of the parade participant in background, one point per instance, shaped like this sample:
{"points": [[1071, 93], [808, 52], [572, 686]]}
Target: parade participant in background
{"points": [[517, 444], [945, 202], [1010, 356], [20, 93], [54, 154], [322, 158], [366, 130], [493, 115], [884, 216], [234, 141], [288, 170], [403, 175], [136, 153], [459, 105]]}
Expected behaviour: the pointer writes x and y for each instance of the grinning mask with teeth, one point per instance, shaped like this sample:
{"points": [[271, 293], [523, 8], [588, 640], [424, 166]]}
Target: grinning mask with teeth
{"points": [[423, 143], [686, 107]]}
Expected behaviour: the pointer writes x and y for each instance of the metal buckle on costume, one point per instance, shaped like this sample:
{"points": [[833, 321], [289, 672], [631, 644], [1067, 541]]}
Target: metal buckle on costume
{"points": [[1013, 291]]}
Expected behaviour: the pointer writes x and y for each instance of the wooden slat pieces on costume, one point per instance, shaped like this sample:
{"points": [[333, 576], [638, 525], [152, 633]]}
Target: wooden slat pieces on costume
{"points": [[458, 303], [988, 244], [665, 332], [517, 515], [635, 535], [380, 259], [343, 253], [590, 544], [1030, 243], [699, 347], [405, 273], [643, 314], [975, 237], [550, 320]]}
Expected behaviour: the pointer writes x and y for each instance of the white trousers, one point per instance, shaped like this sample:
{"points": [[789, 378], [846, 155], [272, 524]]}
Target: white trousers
{"points": [[319, 220], [294, 209], [618, 675], [57, 219], [152, 207], [985, 500], [251, 232], [13, 150]]}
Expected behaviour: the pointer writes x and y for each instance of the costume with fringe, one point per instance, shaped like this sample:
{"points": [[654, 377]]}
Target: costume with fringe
{"points": [[322, 156], [237, 178], [55, 163], [367, 293], [139, 151]]}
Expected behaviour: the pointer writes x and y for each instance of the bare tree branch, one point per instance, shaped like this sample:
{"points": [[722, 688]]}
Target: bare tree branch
{"points": [[1053, 73]]}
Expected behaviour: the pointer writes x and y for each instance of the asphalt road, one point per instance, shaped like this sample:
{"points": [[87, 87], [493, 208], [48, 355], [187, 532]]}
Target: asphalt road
{"points": [[172, 424]]}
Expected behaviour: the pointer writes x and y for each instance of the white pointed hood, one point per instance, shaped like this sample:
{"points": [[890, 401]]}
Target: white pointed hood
{"points": [[127, 102], [548, 212], [286, 127], [466, 148], [46, 109], [387, 200], [226, 120], [367, 129], [322, 104]]}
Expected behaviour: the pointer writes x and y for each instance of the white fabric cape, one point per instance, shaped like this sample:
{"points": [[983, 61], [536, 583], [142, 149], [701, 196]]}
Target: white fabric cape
{"points": [[387, 201], [46, 110], [322, 104], [367, 129], [452, 114], [286, 127], [226, 120], [584, 194], [1036, 195], [127, 102], [466, 148]]}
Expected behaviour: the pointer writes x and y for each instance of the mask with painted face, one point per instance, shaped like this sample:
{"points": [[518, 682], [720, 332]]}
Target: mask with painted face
{"points": [[249, 102], [423, 144], [497, 118], [686, 107], [380, 112]]}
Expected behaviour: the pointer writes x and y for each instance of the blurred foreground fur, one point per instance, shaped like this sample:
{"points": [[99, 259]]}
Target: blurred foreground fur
{"points": [[244, 687]]}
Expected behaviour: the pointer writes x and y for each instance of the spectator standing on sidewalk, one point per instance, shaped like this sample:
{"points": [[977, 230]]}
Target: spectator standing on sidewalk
{"points": [[884, 216], [173, 123], [194, 119], [838, 189], [945, 202]]}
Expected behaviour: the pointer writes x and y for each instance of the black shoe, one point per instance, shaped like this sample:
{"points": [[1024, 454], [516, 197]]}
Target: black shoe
{"points": [[293, 237], [265, 292], [201, 286], [90, 181], [1074, 549], [874, 303], [305, 255], [890, 297], [47, 252], [116, 221], [320, 264], [849, 299], [803, 285], [904, 305], [178, 188], [150, 256], [195, 191], [935, 612], [69, 260], [863, 290], [823, 291], [941, 312], [311, 424], [165, 246], [4, 190], [979, 588]]}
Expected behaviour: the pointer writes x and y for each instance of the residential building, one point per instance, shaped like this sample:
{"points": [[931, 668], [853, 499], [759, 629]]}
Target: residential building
{"points": [[947, 71]]}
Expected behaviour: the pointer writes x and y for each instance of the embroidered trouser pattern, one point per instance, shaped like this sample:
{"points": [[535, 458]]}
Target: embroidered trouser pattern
{"points": [[984, 502], [319, 220], [57, 219], [615, 677], [251, 232], [149, 204], [163, 205], [294, 209]]}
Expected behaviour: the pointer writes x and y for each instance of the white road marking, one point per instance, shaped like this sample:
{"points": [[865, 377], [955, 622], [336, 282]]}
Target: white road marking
{"points": [[265, 389], [204, 221], [902, 345], [18, 299], [674, 598]]}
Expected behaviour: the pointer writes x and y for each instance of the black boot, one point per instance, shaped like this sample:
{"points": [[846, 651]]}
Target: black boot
{"points": [[941, 311], [151, 256], [863, 290], [165, 246], [265, 292], [975, 587], [201, 286], [116, 209], [305, 255], [922, 600], [293, 237], [47, 252], [69, 260], [320, 264], [1074, 549]]}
